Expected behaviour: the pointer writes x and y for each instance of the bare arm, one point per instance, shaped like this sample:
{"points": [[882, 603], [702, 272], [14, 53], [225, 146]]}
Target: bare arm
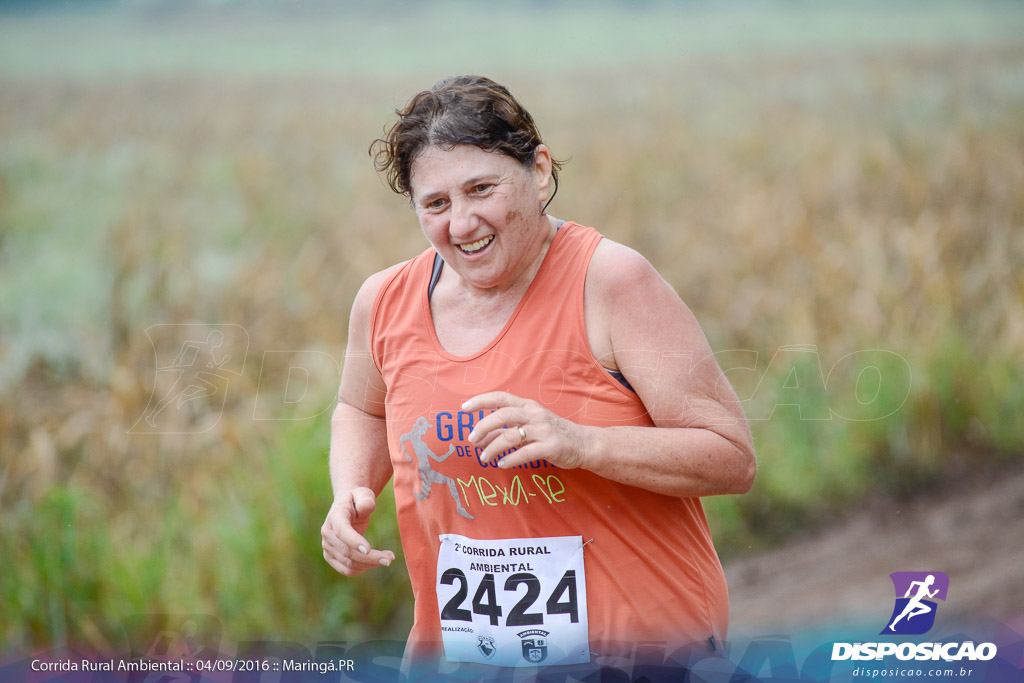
{"points": [[360, 466], [639, 326]]}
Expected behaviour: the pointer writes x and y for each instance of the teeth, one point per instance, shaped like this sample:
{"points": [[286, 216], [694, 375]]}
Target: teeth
{"points": [[476, 246]]}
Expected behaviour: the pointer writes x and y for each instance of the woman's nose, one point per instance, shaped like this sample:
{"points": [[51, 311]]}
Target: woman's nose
{"points": [[463, 220]]}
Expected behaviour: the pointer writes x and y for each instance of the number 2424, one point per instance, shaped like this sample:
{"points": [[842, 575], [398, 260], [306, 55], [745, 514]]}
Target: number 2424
{"points": [[562, 600]]}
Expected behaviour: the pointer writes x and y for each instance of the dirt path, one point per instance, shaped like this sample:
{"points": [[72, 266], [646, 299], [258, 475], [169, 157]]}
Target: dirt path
{"points": [[974, 533]]}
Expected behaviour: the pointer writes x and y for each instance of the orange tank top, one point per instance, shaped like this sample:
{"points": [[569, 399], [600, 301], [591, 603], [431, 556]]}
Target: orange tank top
{"points": [[649, 567]]}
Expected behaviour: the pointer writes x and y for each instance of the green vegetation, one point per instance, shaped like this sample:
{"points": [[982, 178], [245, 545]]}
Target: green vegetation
{"points": [[805, 175]]}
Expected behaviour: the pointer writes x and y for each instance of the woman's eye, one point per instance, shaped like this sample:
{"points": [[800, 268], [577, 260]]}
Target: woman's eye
{"points": [[482, 188], [436, 204]]}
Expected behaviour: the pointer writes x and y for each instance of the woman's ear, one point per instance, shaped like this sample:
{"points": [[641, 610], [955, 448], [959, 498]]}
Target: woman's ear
{"points": [[542, 172]]}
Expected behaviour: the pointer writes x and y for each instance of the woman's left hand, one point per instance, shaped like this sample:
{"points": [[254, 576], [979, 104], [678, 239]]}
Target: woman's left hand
{"points": [[525, 425]]}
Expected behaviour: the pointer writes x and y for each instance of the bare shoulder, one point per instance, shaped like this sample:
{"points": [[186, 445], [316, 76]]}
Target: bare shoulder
{"points": [[372, 285], [630, 308], [619, 284], [619, 271], [623, 286], [362, 307]]}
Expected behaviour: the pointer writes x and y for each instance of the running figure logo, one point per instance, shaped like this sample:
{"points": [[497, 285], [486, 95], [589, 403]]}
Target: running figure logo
{"points": [[914, 613], [197, 364], [428, 475], [194, 366]]}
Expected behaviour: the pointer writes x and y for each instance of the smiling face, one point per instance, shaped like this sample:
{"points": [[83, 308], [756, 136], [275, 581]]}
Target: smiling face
{"points": [[482, 212]]}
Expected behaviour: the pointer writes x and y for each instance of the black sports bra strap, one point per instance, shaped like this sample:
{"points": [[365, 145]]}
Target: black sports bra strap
{"points": [[435, 275]]}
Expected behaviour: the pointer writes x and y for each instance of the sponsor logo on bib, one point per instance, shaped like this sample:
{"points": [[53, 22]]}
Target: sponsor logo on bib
{"points": [[486, 646], [535, 645]]}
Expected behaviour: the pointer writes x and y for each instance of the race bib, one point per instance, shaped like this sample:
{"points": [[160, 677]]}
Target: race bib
{"points": [[513, 601]]}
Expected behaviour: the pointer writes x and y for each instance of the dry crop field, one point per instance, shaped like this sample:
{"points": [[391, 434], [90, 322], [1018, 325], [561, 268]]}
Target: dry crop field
{"points": [[845, 218]]}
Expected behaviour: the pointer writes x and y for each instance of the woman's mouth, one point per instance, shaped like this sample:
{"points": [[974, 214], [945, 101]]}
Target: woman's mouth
{"points": [[474, 247]]}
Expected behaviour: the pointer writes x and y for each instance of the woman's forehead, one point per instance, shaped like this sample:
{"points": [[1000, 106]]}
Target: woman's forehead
{"points": [[456, 164]]}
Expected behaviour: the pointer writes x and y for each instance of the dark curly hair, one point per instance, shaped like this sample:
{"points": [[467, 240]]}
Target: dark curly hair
{"points": [[462, 110]]}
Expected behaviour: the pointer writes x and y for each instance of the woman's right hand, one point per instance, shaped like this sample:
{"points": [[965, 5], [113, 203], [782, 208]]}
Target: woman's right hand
{"points": [[345, 548]]}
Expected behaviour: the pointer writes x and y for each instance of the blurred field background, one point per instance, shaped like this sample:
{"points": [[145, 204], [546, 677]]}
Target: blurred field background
{"points": [[847, 176]]}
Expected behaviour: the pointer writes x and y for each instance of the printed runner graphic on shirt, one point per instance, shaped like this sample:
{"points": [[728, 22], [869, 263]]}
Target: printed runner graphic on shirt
{"points": [[428, 475], [513, 601]]}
